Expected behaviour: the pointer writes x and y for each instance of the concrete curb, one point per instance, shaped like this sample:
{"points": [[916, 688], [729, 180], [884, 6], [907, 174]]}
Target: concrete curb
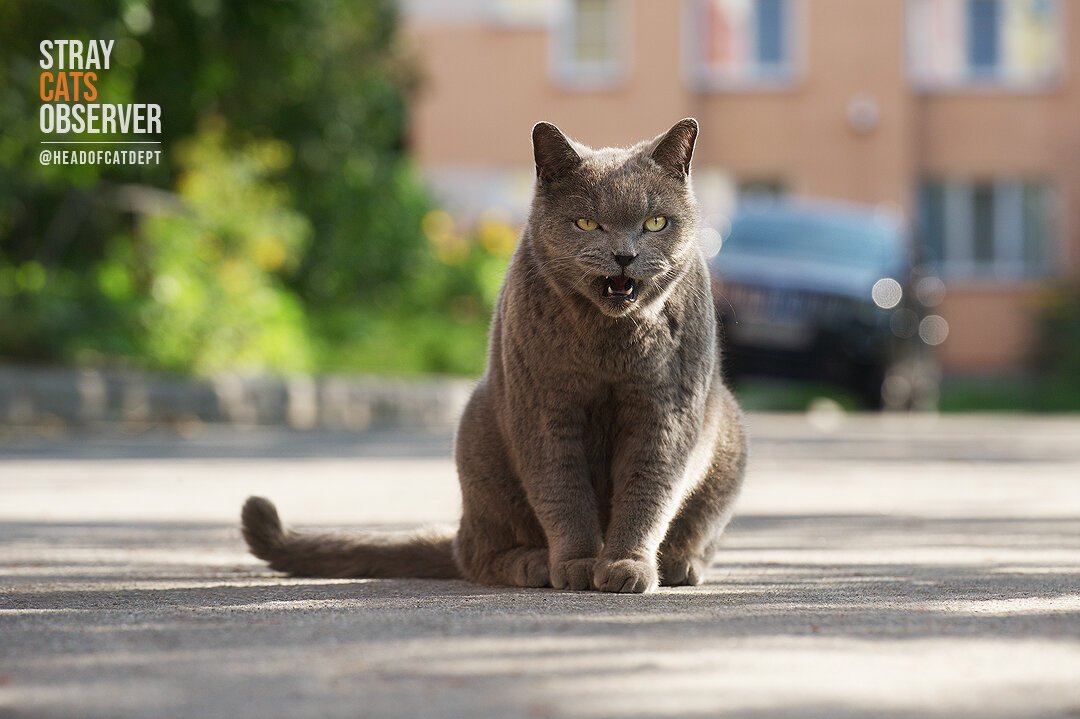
{"points": [[59, 396]]}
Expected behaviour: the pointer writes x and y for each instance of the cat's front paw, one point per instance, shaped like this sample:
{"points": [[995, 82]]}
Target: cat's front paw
{"points": [[624, 575], [573, 574], [681, 571]]}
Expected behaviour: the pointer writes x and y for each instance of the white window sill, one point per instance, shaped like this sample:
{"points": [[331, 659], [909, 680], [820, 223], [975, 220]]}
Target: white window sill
{"points": [[987, 87], [765, 79], [590, 80], [754, 84], [990, 277]]}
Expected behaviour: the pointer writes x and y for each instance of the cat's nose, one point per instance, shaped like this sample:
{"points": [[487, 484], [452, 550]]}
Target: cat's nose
{"points": [[624, 260]]}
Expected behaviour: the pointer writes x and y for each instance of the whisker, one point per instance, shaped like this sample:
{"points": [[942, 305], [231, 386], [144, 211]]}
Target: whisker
{"points": [[730, 306]]}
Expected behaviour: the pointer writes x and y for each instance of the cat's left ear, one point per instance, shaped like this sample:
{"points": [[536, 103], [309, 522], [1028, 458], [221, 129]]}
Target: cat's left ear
{"points": [[674, 150]]}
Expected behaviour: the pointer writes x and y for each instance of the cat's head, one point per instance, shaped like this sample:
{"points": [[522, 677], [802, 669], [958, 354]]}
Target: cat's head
{"points": [[614, 225]]}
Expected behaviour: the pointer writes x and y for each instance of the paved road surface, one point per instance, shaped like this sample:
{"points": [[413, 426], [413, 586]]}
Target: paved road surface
{"points": [[878, 567]]}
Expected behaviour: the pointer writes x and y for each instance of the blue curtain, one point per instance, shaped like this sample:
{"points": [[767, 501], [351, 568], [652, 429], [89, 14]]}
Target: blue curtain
{"points": [[983, 42], [770, 32]]}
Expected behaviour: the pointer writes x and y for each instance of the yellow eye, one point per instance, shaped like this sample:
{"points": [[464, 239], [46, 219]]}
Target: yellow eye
{"points": [[655, 224], [587, 225]]}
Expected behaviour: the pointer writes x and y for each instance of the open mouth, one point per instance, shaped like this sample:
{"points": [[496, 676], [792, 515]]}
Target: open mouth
{"points": [[620, 288]]}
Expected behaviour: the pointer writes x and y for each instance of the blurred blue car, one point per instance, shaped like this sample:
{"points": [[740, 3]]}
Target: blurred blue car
{"points": [[814, 290]]}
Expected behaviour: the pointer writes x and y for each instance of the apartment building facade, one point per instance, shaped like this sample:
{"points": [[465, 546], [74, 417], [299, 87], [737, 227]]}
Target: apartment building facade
{"points": [[965, 114]]}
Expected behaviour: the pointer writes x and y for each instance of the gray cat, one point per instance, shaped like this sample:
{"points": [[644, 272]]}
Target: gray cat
{"points": [[601, 449]]}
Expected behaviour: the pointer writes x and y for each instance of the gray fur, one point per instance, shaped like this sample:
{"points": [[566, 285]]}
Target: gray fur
{"points": [[601, 449]]}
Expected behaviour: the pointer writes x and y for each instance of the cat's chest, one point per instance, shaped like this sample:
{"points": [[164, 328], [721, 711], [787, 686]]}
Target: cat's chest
{"points": [[564, 349], [599, 429], [638, 353]]}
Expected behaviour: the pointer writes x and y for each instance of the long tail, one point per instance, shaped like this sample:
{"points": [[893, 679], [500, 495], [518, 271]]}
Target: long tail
{"points": [[420, 555]]}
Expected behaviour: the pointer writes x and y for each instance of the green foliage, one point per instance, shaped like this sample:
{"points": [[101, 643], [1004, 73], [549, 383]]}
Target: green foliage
{"points": [[1057, 349], [772, 395], [215, 297], [1052, 383], [285, 229], [440, 324]]}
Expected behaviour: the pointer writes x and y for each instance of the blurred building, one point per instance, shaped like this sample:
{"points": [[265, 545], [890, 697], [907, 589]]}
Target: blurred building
{"points": [[965, 113]]}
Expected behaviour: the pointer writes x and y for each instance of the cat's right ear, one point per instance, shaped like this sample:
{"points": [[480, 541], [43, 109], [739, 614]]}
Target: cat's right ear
{"points": [[554, 155]]}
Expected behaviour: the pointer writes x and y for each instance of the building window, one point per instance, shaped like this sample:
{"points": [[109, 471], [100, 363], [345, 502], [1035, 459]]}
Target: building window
{"points": [[720, 193], [522, 14], [994, 43], [987, 229], [741, 42], [757, 190], [589, 43]]}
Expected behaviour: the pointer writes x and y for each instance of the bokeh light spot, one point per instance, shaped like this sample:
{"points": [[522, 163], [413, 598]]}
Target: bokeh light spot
{"points": [[930, 291], [887, 293], [933, 329], [710, 241], [904, 323]]}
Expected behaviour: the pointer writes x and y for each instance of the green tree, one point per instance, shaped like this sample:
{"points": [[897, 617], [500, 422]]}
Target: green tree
{"points": [[83, 249]]}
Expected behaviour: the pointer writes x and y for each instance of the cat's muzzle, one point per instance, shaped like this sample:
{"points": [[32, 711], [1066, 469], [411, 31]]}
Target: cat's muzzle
{"points": [[619, 289]]}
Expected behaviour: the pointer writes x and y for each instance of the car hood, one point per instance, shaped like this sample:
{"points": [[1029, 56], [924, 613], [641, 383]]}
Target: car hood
{"points": [[798, 274]]}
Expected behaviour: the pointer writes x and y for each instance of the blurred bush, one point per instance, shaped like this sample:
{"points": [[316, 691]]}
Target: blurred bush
{"points": [[214, 273], [1057, 349], [285, 229], [437, 321]]}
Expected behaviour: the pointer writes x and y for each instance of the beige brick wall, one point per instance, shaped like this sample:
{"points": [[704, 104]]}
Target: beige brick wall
{"points": [[486, 83]]}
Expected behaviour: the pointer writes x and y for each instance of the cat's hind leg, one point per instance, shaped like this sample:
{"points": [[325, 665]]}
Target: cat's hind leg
{"points": [[499, 540], [487, 563], [489, 549]]}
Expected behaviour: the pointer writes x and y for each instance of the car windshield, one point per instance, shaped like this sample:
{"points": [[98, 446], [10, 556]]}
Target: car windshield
{"points": [[863, 241]]}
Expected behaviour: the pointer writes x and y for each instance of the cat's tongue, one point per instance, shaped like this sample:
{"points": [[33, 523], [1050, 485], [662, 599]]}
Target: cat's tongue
{"points": [[621, 287]]}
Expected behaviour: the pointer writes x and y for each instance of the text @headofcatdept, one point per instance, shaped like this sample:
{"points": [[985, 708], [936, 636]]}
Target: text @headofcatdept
{"points": [[100, 157]]}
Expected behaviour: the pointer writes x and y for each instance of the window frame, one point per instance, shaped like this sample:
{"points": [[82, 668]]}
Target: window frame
{"points": [[501, 16], [705, 79], [974, 82], [1010, 259], [564, 68]]}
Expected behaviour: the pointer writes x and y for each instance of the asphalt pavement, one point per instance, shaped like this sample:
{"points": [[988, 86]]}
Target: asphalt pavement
{"points": [[877, 567]]}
